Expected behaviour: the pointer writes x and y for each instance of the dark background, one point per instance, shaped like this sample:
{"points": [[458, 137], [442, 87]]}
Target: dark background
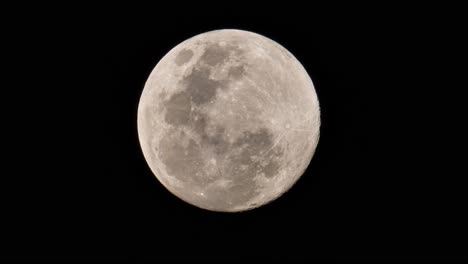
{"points": [[383, 184]]}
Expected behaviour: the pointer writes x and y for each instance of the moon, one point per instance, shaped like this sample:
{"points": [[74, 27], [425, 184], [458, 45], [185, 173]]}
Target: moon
{"points": [[228, 120]]}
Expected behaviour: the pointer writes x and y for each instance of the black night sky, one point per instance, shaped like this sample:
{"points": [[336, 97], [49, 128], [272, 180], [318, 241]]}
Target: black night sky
{"points": [[383, 183]]}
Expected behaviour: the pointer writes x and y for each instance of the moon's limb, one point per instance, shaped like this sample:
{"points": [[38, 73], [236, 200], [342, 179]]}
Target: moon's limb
{"points": [[228, 120]]}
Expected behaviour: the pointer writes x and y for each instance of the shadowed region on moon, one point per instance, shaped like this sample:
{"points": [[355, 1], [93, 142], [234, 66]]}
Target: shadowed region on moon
{"points": [[219, 165], [236, 72], [183, 57]]}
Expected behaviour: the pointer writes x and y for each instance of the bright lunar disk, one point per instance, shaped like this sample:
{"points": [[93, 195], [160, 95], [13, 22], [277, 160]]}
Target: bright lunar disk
{"points": [[228, 120]]}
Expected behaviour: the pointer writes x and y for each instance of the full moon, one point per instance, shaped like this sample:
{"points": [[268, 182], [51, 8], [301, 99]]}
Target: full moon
{"points": [[228, 120]]}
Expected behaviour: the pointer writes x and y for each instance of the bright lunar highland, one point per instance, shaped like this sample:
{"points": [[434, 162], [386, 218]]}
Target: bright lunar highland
{"points": [[228, 120]]}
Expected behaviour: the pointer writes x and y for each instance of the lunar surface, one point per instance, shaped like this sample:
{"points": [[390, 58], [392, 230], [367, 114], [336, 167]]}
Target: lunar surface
{"points": [[228, 120]]}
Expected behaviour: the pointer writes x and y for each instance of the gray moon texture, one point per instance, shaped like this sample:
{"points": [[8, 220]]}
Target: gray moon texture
{"points": [[228, 120]]}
